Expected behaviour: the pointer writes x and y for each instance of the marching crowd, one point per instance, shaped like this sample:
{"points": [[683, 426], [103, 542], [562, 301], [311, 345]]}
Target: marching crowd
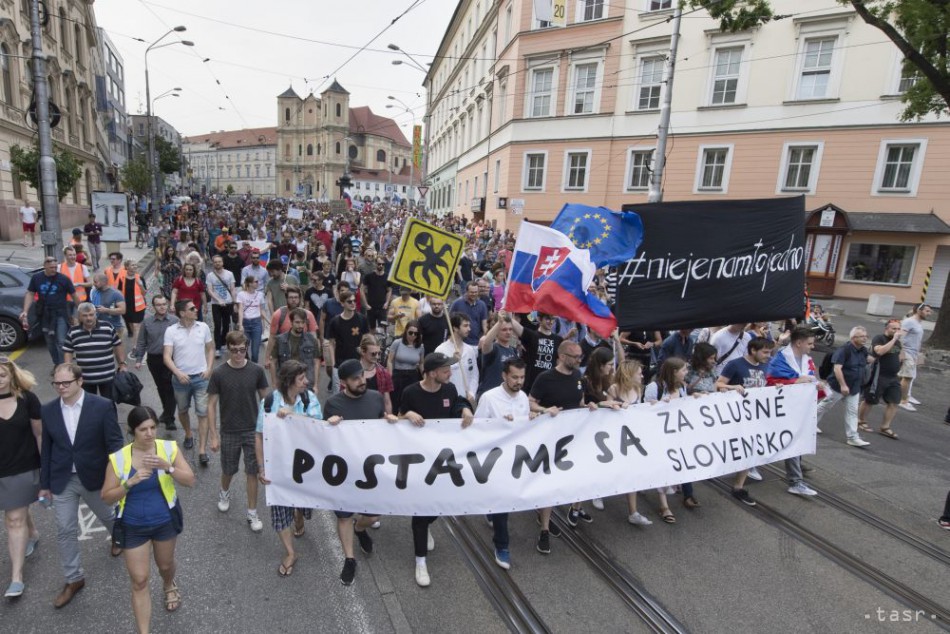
{"points": [[316, 283]]}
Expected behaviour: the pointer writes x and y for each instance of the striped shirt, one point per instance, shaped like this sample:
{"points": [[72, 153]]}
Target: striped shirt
{"points": [[94, 351]]}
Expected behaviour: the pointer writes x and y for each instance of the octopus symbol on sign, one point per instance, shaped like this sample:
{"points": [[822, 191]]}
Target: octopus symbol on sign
{"points": [[433, 260]]}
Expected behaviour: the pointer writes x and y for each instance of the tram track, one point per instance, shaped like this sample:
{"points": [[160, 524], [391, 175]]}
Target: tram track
{"points": [[939, 614], [920, 545]]}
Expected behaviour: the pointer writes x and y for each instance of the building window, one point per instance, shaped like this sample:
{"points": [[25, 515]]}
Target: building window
{"points": [[590, 10], [380, 156], [726, 70], [534, 171], [299, 149], [508, 17], [813, 83], [339, 112], [15, 178], [287, 185], [899, 166], [542, 86], [879, 263], [78, 35], [497, 175], [575, 168], [799, 170], [651, 83], [585, 83], [6, 68], [638, 170], [909, 77], [287, 115], [63, 28], [337, 147], [713, 169], [310, 149], [658, 5]]}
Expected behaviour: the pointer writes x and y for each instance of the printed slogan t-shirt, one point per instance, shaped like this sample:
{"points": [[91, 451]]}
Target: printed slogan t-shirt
{"points": [[540, 354]]}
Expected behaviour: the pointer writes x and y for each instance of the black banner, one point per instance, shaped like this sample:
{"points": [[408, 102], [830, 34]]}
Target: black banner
{"points": [[714, 263]]}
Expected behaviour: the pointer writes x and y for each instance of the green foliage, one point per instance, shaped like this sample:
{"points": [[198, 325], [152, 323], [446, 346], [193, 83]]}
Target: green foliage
{"points": [[919, 28], [229, 190], [27, 164], [169, 159], [135, 177]]}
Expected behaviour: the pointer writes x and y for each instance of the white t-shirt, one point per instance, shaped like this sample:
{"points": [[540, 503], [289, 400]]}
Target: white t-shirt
{"points": [[914, 337], [467, 364], [188, 346], [28, 214], [724, 341], [498, 403], [221, 281]]}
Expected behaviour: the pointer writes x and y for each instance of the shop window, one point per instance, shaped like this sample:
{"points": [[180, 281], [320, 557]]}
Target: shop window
{"points": [[880, 263]]}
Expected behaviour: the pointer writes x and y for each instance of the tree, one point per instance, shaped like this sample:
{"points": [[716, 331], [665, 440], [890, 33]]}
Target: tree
{"points": [[921, 31], [919, 28], [135, 177], [229, 190], [169, 159], [27, 165]]}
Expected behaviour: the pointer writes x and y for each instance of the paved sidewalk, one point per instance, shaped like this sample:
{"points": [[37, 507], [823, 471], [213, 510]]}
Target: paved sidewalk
{"points": [[32, 257]]}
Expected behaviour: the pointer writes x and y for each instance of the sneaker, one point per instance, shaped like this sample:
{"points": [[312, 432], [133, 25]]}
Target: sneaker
{"points": [[366, 542], [217, 355], [203, 459], [754, 474], [597, 503], [422, 575], [189, 443], [584, 515], [552, 528], [944, 524], [818, 430], [255, 522], [743, 496], [572, 516], [544, 543], [430, 542], [490, 522], [638, 520], [908, 407], [857, 442], [802, 489], [171, 426], [375, 524], [16, 589], [913, 401], [224, 501], [349, 571], [503, 558], [31, 547]]}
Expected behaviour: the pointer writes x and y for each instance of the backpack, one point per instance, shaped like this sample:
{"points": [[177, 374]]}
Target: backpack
{"points": [[127, 388], [827, 368], [269, 401]]}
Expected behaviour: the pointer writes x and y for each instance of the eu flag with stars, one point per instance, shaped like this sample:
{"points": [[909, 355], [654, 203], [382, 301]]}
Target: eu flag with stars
{"points": [[612, 237]]}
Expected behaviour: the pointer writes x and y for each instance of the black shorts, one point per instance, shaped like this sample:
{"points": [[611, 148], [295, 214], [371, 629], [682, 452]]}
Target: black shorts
{"points": [[135, 536], [889, 392], [345, 515], [133, 318]]}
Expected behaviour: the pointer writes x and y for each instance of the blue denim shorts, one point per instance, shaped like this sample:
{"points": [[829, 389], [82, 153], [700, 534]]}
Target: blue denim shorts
{"points": [[135, 536], [198, 388]]}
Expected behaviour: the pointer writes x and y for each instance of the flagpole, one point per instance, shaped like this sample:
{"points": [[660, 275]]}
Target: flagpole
{"points": [[458, 353]]}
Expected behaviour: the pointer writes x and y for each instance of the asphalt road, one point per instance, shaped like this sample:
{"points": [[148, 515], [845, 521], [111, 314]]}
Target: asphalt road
{"points": [[720, 568]]}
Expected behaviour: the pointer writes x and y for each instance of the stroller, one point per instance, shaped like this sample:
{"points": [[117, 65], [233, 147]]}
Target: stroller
{"points": [[820, 325]]}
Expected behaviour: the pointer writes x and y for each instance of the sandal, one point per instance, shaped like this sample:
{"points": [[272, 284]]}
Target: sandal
{"points": [[865, 427], [888, 432], [691, 502], [286, 571], [172, 598], [667, 516], [299, 530]]}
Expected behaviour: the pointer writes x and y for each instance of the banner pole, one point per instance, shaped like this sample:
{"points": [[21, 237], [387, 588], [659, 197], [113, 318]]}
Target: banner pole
{"points": [[458, 354]]}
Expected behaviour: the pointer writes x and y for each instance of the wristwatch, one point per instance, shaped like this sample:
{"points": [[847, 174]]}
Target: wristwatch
{"points": [[171, 470]]}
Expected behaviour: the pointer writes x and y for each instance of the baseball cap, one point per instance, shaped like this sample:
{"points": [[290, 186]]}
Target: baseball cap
{"points": [[350, 368], [436, 360], [255, 251]]}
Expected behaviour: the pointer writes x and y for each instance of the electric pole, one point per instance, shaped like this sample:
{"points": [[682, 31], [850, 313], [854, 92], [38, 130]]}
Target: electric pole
{"points": [[659, 162]]}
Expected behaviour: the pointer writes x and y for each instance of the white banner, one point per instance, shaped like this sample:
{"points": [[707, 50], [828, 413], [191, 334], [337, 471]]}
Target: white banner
{"points": [[497, 465], [112, 212]]}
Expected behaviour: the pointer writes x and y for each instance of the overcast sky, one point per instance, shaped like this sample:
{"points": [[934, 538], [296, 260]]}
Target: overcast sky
{"points": [[257, 48]]}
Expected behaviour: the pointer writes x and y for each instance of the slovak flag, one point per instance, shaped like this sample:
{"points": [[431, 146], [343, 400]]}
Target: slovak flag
{"points": [[549, 274]]}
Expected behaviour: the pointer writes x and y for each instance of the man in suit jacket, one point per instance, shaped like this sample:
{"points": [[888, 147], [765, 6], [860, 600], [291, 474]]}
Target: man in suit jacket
{"points": [[80, 430]]}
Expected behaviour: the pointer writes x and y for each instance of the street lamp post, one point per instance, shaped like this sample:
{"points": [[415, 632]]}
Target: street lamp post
{"points": [[412, 161], [426, 119], [148, 117]]}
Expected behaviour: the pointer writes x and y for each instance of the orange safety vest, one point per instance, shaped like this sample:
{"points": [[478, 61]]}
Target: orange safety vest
{"points": [[138, 291], [113, 278], [76, 277]]}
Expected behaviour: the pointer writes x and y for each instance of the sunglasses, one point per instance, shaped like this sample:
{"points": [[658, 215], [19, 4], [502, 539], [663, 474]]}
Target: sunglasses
{"points": [[191, 308], [412, 332], [374, 354]]}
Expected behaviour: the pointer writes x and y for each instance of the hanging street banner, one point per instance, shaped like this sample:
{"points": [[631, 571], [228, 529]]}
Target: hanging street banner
{"points": [[494, 466], [426, 259], [417, 146], [713, 263]]}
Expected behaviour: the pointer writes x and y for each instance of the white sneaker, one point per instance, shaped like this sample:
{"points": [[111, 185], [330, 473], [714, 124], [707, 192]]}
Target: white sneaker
{"points": [[375, 524], [754, 474], [638, 520], [224, 501], [818, 430], [422, 576], [908, 407], [802, 489], [217, 354], [597, 503], [857, 442], [430, 543], [913, 401], [255, 522]]}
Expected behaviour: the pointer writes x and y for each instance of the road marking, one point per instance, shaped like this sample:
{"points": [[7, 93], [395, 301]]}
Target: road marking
{"points": [[13, 356], [88, 523]]}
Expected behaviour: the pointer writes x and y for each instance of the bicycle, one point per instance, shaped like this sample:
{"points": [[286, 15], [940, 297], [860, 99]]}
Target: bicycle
{"points": [[141, 236]]}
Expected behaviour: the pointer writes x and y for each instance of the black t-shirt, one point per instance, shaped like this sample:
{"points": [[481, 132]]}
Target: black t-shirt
{"points": [[376, 287], [587, 347], [18, 452], [429, 404], [556, 389], [368, 406], [434, 331], [52, 290], [540, 354], [234, 264], [316, 299], [889, 363], [465, 268], [491, 364], [346, 335]]}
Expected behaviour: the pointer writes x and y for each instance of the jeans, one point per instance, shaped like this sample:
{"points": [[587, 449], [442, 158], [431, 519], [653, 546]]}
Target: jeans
{"points": [[252, 330], [851, 413], [686, 488], [499, 522], [55, 326], [198, 388], [163, 378], [221, 316], [420, 533], [793, 471], [66, 505]]}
